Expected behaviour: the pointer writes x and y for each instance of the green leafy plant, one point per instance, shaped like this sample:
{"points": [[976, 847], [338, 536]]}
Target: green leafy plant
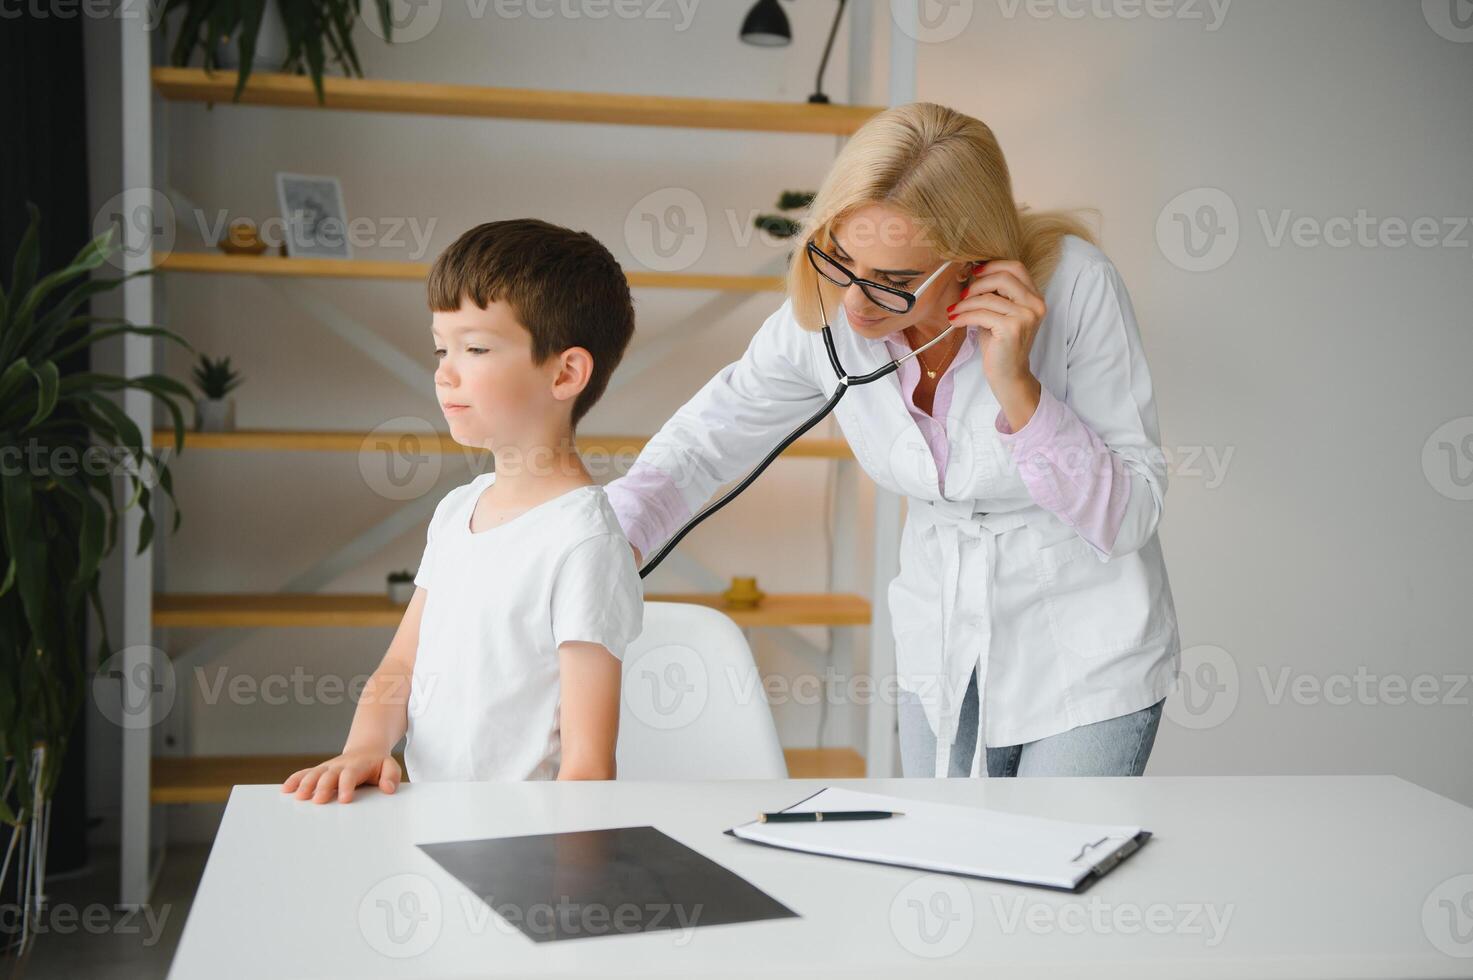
{"points": [[781, 226], [315, 31], [216, 378], [404, 575], [60, 510]]}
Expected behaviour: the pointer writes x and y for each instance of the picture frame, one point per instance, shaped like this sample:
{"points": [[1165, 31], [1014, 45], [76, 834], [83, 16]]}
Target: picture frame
{"points": [[315, 222]]}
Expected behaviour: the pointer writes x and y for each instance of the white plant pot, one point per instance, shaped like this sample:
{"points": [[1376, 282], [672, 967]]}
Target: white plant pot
{"points": [[271, 44], [401, 592], [214, 415]]}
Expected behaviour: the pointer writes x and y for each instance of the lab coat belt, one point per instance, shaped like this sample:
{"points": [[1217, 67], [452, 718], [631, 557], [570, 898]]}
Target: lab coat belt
{"points": [[952, 521]]}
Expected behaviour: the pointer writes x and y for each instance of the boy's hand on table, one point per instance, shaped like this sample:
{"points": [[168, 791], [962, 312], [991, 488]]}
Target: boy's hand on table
{"points": [[342, 774]]}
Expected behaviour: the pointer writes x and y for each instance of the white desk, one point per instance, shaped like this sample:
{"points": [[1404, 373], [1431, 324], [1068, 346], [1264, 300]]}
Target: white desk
{"points": [[1328, 876]]}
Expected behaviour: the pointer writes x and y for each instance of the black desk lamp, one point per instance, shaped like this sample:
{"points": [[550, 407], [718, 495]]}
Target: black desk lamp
{"points": [[767, 27]]}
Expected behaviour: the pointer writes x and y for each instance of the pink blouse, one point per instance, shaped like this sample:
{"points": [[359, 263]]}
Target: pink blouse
{"points": [[1066, 467]]}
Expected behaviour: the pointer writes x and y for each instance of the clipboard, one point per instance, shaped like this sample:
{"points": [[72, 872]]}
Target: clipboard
{"points": [[944, 838]]}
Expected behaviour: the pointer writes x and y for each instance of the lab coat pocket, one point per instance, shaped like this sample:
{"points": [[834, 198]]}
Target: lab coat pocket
{"points": [[1100, 607], [915, 617]]}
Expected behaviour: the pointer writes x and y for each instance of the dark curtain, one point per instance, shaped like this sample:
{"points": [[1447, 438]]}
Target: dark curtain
{"points": [[43, 159]]}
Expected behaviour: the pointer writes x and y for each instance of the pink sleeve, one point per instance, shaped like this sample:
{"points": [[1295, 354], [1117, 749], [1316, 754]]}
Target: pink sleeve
{"points": [[1069, 471], [648, 505]]}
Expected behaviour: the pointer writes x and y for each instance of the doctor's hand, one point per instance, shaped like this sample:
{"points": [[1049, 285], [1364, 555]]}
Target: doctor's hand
{"points": [[1005, 306]]}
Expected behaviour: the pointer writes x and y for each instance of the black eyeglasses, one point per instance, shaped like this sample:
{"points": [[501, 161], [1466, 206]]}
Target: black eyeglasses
{"points": [[886, 297]]}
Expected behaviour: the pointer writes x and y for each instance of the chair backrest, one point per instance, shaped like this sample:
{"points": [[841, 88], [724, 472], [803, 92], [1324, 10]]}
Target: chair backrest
{"points": [[693, 703]]}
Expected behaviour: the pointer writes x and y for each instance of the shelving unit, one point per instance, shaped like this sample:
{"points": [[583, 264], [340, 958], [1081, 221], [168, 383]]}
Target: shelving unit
{"points": [[149, 780], [302, 440], [546, 105], [214, 610], [277, 265]]}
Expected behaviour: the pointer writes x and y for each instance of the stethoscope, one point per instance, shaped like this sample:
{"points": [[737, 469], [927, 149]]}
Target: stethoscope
{"points": [[846, 381]]}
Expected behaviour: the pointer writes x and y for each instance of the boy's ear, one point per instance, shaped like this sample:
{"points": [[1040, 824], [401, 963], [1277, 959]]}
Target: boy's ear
{"points": [[575, 368]]}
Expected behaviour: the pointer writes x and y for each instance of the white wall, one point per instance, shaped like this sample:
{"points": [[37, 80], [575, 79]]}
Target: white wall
{"points": [[1326, 550], [1322, 547]]}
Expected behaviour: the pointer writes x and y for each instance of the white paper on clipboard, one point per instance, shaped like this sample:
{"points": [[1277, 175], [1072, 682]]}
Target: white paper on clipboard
{"points": [[953, 839]]}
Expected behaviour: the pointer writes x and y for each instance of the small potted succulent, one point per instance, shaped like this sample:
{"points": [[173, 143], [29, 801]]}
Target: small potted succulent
{"points": [[401, 587], [214, 411]]}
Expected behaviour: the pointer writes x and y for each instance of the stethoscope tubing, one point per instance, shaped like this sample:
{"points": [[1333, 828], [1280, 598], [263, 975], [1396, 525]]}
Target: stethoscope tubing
{"points": [[845, 383]]}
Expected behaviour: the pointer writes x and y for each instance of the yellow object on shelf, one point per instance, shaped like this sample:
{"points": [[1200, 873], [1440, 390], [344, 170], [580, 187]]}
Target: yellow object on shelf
{"points": [[743, 594], [242, 238]]}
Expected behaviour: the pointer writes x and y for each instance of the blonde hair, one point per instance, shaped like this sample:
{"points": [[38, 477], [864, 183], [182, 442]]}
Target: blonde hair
{"points": [[945, 171]]}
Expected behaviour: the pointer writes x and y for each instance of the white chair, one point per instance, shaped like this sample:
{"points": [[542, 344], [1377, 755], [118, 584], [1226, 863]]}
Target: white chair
{"points": [[693, 703]]}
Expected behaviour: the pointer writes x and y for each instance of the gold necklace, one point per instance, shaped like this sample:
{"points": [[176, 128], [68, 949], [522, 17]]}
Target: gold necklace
{"points": [[930, 373]]}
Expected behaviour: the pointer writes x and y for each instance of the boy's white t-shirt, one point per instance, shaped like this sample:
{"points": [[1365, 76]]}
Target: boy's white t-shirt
{"points": [[485, 696]]}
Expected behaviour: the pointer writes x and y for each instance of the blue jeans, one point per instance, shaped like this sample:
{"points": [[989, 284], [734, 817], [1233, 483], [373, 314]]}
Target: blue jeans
{"points": [[1114, 747]]}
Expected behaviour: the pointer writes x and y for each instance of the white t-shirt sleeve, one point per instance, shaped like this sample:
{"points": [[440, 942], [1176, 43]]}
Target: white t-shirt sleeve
{"points": [[423, 575], [597, 596]]}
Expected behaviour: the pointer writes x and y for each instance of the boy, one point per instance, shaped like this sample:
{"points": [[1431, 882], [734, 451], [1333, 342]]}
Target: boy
{"points": [[507, 662]]}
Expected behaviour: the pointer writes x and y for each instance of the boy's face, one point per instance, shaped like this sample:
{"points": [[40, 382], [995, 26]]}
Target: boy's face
{"points": [[488, 388]]}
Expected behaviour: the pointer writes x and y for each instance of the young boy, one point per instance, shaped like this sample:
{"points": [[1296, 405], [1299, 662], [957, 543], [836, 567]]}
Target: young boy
{"points": [[507, 662]]}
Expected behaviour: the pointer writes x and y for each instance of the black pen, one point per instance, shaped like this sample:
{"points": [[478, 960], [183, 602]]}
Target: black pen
{"points": [[818, 816]]}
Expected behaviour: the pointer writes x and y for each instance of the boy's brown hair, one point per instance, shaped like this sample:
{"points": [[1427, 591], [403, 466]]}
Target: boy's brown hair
{"points": [[562, 285]]}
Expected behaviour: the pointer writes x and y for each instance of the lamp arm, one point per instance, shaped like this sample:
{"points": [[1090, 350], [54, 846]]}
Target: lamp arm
{"points": [[818, 95]]}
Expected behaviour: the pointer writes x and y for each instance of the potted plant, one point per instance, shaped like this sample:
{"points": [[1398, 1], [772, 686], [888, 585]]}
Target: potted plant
{"points": [[58, 519], [215, 410], [780, 225], [313, 31], [401, 587]]}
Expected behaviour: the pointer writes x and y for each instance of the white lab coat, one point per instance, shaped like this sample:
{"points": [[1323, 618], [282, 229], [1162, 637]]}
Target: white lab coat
{"points": [[1061, 634]]}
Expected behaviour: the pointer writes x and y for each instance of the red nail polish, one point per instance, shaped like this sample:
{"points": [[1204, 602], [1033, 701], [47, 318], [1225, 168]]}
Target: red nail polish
{"points": [[951, 316], [951, 307]]}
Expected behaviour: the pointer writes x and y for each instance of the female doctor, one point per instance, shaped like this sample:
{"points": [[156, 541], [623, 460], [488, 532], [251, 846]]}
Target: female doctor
{"points": [[1032, 606]]}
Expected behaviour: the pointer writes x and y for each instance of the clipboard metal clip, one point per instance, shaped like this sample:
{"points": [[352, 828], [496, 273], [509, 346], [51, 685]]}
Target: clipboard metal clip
{"points": [[1128, 847]]}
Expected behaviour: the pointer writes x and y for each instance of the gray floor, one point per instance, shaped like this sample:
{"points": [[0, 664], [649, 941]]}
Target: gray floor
{"points": [[87, 936]]}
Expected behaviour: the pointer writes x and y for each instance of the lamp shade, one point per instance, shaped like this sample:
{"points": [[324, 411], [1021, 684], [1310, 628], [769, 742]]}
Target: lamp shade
{"points": [[766, 25]]}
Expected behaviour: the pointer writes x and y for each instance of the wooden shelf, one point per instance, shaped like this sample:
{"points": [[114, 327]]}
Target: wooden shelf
{"points": [[786, 609], [299, 268], [277, 610], [288, 440], [209, 778], [546, 105], [841, 763]]}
